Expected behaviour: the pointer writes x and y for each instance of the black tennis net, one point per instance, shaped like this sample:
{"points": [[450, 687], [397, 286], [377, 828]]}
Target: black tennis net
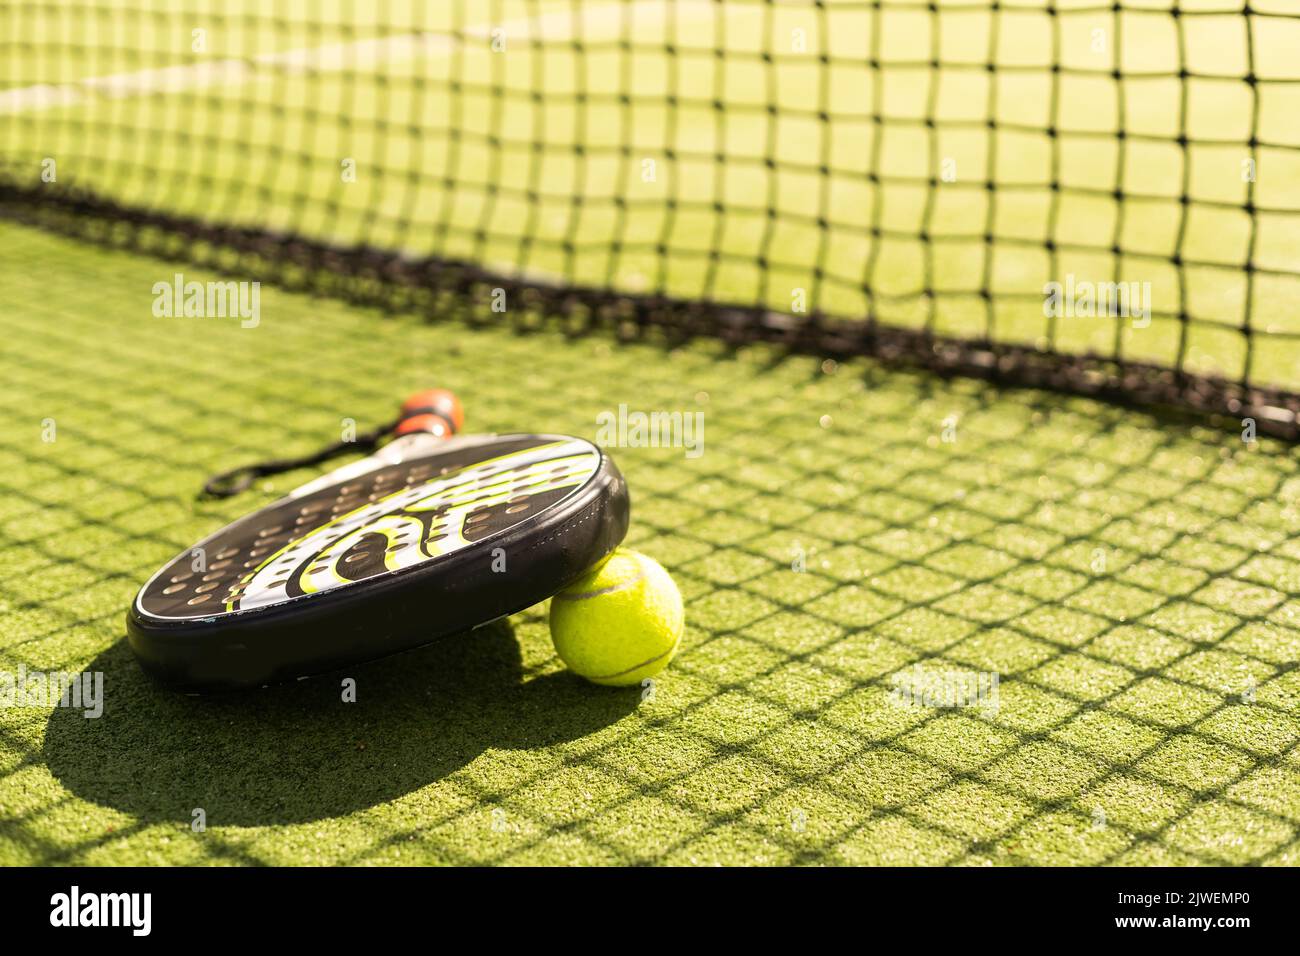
{"points": [[1098, 198]]}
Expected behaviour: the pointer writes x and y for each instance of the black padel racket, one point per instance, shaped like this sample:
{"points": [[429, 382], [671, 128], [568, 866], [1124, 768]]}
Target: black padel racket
{"points": [[427, 537]]}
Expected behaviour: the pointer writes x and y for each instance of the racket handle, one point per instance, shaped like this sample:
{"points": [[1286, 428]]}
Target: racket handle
{"points": [[435, 410]]}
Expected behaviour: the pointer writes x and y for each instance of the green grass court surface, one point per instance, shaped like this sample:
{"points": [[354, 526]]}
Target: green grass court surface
{"points": [[1133, 580]]}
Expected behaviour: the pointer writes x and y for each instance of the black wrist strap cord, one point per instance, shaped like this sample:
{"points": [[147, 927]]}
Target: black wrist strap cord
{"points": [[437, 411], [239, 479]]}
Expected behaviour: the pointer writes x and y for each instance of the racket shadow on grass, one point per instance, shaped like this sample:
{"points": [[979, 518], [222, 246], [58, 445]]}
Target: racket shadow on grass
{"points": [[298, 753]]}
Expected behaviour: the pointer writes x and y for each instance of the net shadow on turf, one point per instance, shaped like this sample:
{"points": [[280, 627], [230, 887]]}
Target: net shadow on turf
{"points": [[1072, 805], [1031, 478]]}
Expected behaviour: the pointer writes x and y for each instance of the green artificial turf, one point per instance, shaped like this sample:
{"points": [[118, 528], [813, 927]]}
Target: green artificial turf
{"points": [[1132, 581]]}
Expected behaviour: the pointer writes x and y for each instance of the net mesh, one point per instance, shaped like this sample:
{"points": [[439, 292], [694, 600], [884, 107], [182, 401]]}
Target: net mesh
{"points": [[907, 180]]}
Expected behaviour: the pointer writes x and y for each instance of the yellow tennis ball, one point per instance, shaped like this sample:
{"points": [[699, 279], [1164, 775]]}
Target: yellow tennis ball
{"points": [[620, 622]]}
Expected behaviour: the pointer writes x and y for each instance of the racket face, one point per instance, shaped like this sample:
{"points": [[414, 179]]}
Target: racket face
{"points": [[400, 532], [390, 520]]}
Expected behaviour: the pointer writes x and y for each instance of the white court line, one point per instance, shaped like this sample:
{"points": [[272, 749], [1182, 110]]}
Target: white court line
{"points": [[336, 57]]}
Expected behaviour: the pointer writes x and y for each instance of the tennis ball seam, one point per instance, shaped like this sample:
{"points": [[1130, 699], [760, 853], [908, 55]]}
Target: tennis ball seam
{"points": [[627, 670], [622, 585]]}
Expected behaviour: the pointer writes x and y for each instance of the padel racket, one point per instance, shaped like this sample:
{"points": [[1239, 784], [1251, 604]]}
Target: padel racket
{"points": [[429, 536]]}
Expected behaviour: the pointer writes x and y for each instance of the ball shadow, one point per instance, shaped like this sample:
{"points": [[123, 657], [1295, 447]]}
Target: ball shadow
{"points": [[298, 753]]}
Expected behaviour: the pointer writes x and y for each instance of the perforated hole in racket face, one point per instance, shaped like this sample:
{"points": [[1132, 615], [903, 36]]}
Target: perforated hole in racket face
{"points": [[382, 522]]}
